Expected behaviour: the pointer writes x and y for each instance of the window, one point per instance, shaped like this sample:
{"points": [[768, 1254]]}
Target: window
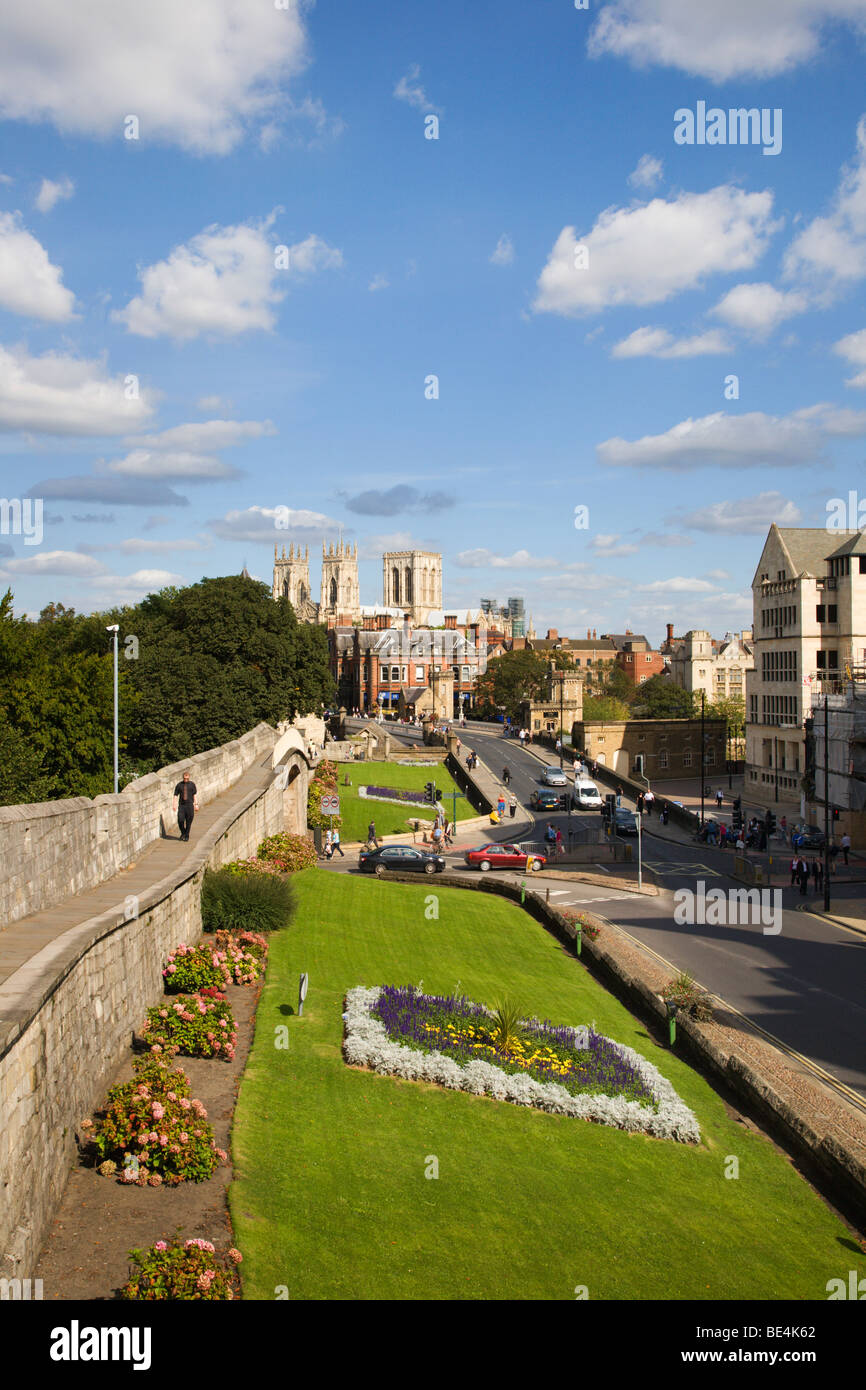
{"points": [[648, 658], [820, 614], [465, 673], [687, 759], [663, 757], [710, 757], [832, 613], [395, 673], [642, 679], [419, 675]]}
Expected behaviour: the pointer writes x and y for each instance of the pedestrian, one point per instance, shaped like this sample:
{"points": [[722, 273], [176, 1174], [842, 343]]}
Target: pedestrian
{"points": [[550, 835], [560, 848], [458, 748], [723, 835], [665, 814], [794, 862], [762, 838], [712, 833], [512, 807], [336, 847], [639, 806], [648, 800], [817, 874], [328, 844], [437, 835], [741, 845], [720, 796], [846, 845], [185, 802], [371, 834], [494, 817], [469, 761], [500, 805], [783, 826], [506, 776], [803, 875], [559, 745], [618, 790]]}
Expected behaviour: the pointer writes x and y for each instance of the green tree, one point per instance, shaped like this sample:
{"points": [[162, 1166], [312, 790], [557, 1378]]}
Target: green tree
{"points": [[512, 678], [605, 707], [659, 698]]}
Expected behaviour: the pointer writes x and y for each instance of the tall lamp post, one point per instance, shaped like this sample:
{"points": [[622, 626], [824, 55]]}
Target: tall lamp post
{"points": [[702, 757], [114, 629], [826, 806]]}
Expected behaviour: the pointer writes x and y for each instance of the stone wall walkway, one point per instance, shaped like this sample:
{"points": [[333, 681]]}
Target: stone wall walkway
{"points": [[21, 940]]}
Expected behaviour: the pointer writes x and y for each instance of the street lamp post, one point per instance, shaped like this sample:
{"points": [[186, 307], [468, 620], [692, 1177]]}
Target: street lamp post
{"points": [[114, 629], [826, 806], [702, 757]]}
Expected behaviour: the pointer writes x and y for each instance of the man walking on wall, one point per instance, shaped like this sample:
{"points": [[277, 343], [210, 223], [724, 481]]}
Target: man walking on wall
{"points": [[185, 803]]}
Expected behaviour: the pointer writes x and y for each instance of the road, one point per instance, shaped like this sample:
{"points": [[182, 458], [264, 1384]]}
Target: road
{"points": [[806, 985]]}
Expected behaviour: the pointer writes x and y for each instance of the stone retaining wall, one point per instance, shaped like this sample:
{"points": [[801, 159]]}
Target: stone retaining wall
{"points": [[67, 1016], [54, 849]]}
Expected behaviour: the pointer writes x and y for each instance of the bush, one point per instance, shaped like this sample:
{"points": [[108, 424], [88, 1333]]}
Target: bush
{"points": [[241, 902], [153, 1131], [288, 852], [327, 771], [196, 1026], [175, 1271], [208, 968], [688, 996], [588, 929], [315, 815], [239, 867], [190, 969]]}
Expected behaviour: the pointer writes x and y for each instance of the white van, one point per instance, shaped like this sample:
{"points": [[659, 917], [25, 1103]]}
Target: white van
{"points": [[586, 795]]}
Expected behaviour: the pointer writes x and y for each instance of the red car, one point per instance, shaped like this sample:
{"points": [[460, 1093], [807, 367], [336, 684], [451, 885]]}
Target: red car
{"points": [[486, 857]]}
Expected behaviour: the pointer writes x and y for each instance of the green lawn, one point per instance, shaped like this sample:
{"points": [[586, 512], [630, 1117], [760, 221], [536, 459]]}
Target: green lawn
{"points": [[330, 1197], [357, 812]]}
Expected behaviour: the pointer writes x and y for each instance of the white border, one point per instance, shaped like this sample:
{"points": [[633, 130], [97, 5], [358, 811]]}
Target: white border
{"points": [[367, 1045]]}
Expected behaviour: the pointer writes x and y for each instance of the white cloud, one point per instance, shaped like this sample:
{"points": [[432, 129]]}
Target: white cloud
{"points": [[658, 342], [758, 309], [137, 546], [197, 75], [609, 546], [378, 282], [736, 441], [57, 562], [486, 559], [830, 252], [647, 254], [853, 349], [29, 283], [129, 588], [51, 193], [204, 436], [211, 403], [678, 585], [57, 394], [260, 524], [743, 38], [503, 252], [141, 463], [223, 282], [746, 516], [718, 574], [648, 172], [409, 89]]}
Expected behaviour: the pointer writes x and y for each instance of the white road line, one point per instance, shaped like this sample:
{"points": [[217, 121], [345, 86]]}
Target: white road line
{"points": [[603, 869]]}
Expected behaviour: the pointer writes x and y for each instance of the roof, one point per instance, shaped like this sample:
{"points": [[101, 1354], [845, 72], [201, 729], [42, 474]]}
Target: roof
{"points": [[621, 640], [572, 644], [854, 545], [807, 548]]}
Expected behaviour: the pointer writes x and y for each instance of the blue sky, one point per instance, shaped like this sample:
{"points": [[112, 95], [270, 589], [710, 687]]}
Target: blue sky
{"points": [[165, 385]]}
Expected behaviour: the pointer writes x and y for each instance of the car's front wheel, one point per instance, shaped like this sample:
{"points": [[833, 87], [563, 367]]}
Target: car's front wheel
{"points": [[536, 866], [484, 865]]}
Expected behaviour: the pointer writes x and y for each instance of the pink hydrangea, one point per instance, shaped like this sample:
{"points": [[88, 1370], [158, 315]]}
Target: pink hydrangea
{"points": [[157, 1110], [184, 1137], [235, 1255], [161, 1245], [163, 1139], [185, 1104]]}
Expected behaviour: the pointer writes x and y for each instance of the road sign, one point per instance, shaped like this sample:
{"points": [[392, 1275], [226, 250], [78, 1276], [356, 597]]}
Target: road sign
{"points": [[330, 805]]}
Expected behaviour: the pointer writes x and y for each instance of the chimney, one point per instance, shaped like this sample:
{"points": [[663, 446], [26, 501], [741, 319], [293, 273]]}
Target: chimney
{"points": [[451, 620], [552, 634], [594, 634], [670, 632], [588, 634]]}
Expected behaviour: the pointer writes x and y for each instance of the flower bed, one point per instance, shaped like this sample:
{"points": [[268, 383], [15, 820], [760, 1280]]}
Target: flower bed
{"points": [[400, 794], [197, 1026], [459, 1044], [236, 958], [175, 1271], [152, 1132]]}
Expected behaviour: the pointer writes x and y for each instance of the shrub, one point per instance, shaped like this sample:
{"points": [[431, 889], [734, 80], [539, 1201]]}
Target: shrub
{"points": [[207, 968], [254, 902], [689, 996], [315, 815], [175, 1271], [250, 866], [327, 771], [588, 929], [288, 852], [193, 1025], [190, 969], [153, 1131]]}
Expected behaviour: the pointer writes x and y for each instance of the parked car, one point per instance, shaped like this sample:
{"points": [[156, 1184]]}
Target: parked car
{"points": [[625, 821], [547, 801], [554, 777], [808, 837], [587, 796], [405, 858], [486, 857]]}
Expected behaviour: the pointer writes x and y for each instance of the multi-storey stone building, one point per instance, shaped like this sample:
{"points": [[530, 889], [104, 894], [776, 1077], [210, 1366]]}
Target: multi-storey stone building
{"points": [[412, 581], [700, 662], [809, 594]]}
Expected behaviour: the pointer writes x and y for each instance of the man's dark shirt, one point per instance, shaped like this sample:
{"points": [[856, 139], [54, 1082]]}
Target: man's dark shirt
{"points": [[186, 793]]}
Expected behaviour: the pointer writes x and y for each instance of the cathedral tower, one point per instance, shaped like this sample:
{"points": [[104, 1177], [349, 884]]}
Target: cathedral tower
{"points": [[412, 580], [292, 581], [340, 590]]}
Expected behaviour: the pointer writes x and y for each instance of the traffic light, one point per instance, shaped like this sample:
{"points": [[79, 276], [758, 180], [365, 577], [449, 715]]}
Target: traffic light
{"points": [[737, 817], [437, 793], [430, 793], [835, 813], [609, 806]]}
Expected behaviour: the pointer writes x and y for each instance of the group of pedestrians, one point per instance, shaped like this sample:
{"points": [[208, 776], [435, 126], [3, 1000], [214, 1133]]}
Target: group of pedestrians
{"points": [[645, 802], [801, 872], [553, 839]]}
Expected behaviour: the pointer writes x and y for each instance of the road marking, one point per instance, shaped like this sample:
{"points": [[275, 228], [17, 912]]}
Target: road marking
{"points": [[665, 867], [603, 869], [558, 892]]}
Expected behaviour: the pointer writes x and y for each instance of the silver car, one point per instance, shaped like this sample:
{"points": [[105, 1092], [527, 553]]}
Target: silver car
{"points": [[554, 777]]}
